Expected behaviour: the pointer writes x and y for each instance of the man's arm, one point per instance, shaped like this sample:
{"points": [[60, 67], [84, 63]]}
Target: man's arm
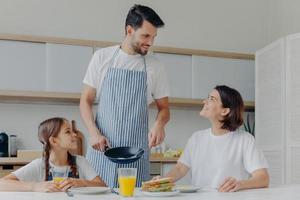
{"points": [[157, 133], [97, 140]]}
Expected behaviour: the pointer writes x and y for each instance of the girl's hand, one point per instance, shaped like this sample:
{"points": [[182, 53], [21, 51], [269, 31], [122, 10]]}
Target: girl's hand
{"points": [[71, 182], [47, 186], [230, 184]]}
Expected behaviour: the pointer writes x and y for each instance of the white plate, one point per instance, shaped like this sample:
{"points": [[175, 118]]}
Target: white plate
{"points": [[187, 188], [89, 190], [161, 194]]}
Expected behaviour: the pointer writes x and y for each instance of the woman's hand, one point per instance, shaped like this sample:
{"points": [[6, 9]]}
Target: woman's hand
{"points": [[230, 184], [48, 186], [71, 182]]}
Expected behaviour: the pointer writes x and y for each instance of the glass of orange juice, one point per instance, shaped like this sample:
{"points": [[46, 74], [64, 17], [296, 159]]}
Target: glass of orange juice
{"points": [[58, 179], [127, 181]]}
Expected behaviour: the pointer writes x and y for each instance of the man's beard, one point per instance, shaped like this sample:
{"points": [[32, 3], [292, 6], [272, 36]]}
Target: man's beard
{"points": [[137, 48]]}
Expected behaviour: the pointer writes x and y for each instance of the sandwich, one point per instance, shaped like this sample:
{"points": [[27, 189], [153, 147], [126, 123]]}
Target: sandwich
{"points": [[158, 185]]}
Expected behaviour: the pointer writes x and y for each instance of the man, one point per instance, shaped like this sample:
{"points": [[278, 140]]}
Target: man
{"points": [[124, 80]]}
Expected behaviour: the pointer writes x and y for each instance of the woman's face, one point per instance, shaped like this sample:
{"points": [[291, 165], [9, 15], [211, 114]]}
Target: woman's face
{"points": [[66, 138], [213, 108]]}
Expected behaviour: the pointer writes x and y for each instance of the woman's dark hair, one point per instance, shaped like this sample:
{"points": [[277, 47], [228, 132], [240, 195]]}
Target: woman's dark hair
{"points": [[231, 99], [50, 128], [138, 13]]}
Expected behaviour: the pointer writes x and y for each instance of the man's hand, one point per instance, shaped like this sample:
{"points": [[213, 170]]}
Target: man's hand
{"points": [[230, 184], [156, 136], [99, 142]]}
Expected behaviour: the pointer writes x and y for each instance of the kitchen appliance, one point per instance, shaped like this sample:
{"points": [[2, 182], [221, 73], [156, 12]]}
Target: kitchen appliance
{"points": [[3, 145], [13, 146]]}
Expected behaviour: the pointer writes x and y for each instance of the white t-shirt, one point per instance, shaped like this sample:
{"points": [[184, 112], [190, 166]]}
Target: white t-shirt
{"points": [[213, 158], [157, 83], [35, 170]]}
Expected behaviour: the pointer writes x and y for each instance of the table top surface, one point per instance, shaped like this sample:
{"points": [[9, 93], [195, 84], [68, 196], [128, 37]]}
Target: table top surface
{"points": [[284, 192]]}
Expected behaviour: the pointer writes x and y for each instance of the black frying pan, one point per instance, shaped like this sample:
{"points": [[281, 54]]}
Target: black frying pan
{"points": [[124, 155]]}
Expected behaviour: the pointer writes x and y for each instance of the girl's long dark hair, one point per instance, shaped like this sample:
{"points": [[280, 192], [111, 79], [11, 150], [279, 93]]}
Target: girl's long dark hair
{"points": [[50, 128]]}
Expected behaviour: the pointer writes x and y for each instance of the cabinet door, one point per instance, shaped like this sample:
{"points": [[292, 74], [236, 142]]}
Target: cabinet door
{"points": [[209, 72], [270, 96], [276, 166], [22, 65], [66, 66], [186, 180], [179, 71]]}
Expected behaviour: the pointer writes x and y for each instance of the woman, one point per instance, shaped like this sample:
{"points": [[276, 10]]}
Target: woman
{"points": [[223, 157], [58, 139]]}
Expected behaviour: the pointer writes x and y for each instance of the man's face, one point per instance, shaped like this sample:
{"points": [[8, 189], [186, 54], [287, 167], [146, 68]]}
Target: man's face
{"points": [[142, 38]]}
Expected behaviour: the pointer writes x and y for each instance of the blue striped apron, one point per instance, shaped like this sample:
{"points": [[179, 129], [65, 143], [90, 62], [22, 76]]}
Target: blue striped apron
{"points": [[122, 117]]}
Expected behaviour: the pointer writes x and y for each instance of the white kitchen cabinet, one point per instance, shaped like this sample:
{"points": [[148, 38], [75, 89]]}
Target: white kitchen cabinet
{"points": [[66, 66], [22, 65], [277, 107], [179, 72], [209, 72]]}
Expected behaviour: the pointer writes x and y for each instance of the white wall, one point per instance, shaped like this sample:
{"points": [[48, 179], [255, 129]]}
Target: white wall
{"points": [[283, 18], [231, 25]]}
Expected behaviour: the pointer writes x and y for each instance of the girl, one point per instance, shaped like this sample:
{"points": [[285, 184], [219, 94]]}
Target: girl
{"points": [[223, 157], [58, 139]]}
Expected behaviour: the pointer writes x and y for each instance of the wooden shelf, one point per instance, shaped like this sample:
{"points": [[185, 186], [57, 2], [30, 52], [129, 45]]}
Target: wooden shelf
{"points": [[96, 43], [12, 96], [159, 158]]}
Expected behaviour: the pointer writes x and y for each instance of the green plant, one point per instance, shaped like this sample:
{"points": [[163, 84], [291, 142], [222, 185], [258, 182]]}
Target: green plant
{"points": [[248, 126]]}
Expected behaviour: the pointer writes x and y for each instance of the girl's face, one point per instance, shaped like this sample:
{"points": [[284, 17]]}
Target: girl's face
{"points": [[66, 138], [213, 108]]}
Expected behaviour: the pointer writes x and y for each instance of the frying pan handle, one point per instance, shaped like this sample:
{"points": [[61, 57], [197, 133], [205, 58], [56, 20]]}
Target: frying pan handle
{"points": [[106, 148]]}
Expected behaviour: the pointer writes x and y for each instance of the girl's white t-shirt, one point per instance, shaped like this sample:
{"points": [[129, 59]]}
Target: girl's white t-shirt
{"points": [[157, 83], [213, 158], [35, 170]]}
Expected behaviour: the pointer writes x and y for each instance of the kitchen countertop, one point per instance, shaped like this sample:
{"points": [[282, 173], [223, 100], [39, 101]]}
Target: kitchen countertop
{"points": [[14, 161], [288, 192]]}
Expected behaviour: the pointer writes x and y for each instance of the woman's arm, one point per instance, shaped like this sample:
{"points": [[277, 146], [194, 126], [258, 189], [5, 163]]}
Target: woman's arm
{"points": [[259, 179], [73, 182], [12, 183], [178, 171]]}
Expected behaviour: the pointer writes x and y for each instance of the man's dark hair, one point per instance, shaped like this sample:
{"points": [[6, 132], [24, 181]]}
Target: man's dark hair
{"points": [[231, 99], [138, 13]]}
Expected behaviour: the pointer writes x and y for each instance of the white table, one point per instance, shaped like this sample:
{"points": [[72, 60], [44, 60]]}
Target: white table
{"points": [[285, 192]]}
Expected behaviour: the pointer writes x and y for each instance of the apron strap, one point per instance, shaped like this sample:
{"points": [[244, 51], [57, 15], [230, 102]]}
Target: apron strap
{"points": [[70, 174]]}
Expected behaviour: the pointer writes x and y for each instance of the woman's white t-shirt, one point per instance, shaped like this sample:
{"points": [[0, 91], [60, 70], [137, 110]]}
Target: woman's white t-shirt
{"points": [[213, 158], [35, 170], [157, 83]]}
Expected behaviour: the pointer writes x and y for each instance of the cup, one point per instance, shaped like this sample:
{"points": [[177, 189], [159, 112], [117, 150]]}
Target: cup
{"points": [[127, 181], [58, 177]]}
